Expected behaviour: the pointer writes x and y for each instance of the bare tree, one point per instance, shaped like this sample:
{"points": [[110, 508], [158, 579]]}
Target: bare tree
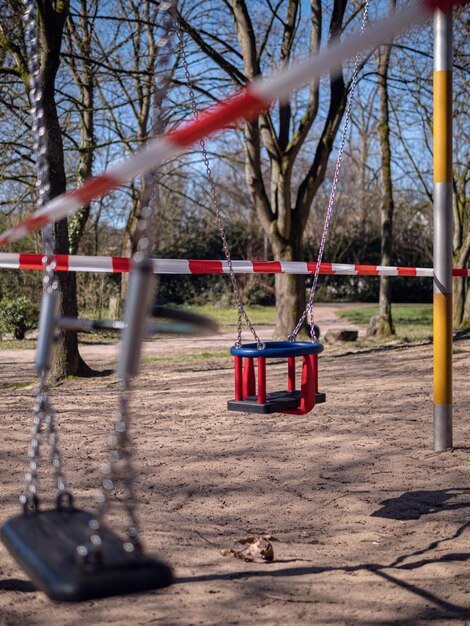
{"points": [[414, 110], [385, 326], [80, 32], [281, 133], [461, 170], [362, 190], [461, 243], [51, 23], [132, 96]]}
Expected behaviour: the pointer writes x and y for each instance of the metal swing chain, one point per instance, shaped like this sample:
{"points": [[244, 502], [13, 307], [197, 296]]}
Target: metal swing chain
{"points": [[119, 469], [43, 414], [309, 308], [242, 314]]}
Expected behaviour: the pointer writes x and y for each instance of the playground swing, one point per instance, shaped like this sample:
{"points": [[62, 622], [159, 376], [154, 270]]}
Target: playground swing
{"points": [[251, 395], [71, 554]]}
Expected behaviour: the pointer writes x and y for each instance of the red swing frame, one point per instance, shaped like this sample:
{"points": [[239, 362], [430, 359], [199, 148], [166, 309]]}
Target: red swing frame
{"points": [[247, 388]]}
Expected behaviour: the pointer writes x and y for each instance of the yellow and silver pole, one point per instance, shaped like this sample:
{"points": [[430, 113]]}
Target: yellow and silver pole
{"points": [[442, 231]]}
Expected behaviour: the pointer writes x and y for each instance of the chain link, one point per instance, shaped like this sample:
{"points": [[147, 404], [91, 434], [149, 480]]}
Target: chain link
{"points": [[119, 471], [44, 427], [309, 308], [242, 315]]}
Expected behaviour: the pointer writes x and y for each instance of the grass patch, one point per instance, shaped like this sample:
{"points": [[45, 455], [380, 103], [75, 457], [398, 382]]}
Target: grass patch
{"points": [[202, 356], [28, 383], [83, 339], [228, 317], [413, 321], [94, 314], [97, 338], [416, 314], [18, 344]]}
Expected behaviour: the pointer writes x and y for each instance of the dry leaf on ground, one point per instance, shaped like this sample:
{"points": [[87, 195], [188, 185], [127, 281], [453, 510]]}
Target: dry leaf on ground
{"points": [[257, 549]]}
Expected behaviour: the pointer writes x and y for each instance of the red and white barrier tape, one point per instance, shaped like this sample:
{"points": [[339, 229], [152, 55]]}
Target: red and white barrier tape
{"points": [[71, 263], [245, 104]]}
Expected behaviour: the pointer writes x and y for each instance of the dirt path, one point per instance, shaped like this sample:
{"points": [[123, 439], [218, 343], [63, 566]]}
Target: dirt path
{"points": [[371, 525], [102, 355]]}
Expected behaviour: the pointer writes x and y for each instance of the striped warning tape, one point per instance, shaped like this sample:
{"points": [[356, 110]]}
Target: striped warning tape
{"points": [[246, 104], [114, 264]]}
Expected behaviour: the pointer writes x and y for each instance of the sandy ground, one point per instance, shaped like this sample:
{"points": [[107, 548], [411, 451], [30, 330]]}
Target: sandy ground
{"points": [[371, 525]]}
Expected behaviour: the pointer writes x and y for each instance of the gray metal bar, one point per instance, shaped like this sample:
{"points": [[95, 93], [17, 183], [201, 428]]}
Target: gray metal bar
{"points": [[138, 303], [47, 328], [442, 238], [443, 44], [85, 325]]}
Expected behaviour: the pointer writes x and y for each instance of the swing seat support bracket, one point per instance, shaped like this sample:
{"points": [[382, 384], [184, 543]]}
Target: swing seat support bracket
{"points": [[254, 398]]}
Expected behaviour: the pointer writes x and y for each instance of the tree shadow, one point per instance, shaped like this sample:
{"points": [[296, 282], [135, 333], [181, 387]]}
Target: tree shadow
{"points": [[462, 334], [92, 373], [413, 504], [440, 609], [16, 584]]}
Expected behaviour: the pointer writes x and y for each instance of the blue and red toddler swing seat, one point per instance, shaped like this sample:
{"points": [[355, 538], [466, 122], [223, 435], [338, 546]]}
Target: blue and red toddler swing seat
{"points": [[254, 398]]}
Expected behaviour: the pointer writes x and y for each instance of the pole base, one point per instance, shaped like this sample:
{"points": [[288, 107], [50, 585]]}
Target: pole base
{"points": [[442, 427]]}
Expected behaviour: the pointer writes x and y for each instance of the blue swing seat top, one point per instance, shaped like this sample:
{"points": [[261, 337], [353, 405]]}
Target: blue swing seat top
{"points": [[279, 349], [254, 398]]}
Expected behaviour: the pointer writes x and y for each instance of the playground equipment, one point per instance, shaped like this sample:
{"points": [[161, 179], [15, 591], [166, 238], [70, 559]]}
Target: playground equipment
{"points": [[249, 396], [443, 222], [253, 398], [72, 554]]}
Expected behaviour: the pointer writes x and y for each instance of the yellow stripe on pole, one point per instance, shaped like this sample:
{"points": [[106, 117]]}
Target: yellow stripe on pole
{"points": [[442, 348], [443, 126]]}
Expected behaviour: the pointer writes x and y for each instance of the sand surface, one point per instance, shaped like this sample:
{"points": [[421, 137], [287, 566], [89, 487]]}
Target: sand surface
{"points": [[371, 525]]}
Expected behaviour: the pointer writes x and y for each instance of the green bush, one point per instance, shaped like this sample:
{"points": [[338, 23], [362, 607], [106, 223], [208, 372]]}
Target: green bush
{"points": [[18, 315]]}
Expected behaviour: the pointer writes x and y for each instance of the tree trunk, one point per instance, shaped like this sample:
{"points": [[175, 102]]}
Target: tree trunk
{"points": [[290, 291], [461, 248], [66, 360], [461, 289], [385, 326], [459, 294], [83, 73], [466, 310]]}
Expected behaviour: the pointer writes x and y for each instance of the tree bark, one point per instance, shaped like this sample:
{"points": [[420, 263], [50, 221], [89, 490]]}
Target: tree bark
{"points": [[461, 247], [79, 37], [290, 290], [52, 17], [466, 310], [461, 290], [385, 326]]}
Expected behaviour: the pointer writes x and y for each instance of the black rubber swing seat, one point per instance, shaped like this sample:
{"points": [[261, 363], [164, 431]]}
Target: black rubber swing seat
{"points": [[44, 544], [276, 402]]}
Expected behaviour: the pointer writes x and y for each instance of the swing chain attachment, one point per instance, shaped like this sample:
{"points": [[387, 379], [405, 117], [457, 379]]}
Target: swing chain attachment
{"points": [[43, 413], [118, 474], [43, 428], [242, 314], [309, 309], [118, 470]]}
